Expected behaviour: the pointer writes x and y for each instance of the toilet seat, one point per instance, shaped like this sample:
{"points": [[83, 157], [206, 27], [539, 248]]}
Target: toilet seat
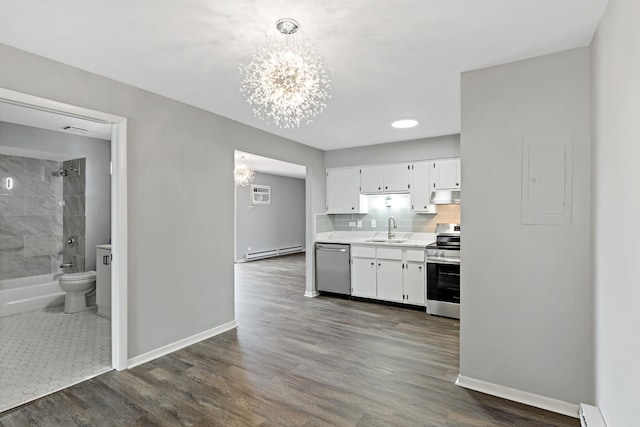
{"points": [[78, 277]]}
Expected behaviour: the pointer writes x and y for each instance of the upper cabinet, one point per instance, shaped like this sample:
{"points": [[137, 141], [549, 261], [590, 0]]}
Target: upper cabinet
{"points": [[347, 187], [445, 174], [421, 188], [343, 191], [385, 179]]}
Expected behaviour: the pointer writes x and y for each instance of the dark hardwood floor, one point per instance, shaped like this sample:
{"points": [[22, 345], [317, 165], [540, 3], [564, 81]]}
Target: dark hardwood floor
{"points": [[293, 361]]}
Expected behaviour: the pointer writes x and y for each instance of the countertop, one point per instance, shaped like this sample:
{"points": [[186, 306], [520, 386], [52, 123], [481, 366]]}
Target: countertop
{"points": [[103, 247], [414, 240]]}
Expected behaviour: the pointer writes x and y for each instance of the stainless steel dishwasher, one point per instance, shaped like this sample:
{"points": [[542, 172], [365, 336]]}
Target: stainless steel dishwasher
{"points": [[333, 269]]}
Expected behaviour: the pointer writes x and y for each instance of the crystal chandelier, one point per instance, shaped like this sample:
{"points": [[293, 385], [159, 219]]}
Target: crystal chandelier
{"points": [[242, 174], [287, 83]]}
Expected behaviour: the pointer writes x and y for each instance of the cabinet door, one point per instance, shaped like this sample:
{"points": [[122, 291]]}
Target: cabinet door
{"points": [[363, 277], [420, 189], [371, 179], [390, 280], [414, 283], [396, 178], [343, 191], [447, 174]]}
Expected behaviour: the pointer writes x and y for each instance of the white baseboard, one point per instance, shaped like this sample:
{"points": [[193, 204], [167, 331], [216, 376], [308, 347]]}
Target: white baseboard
{"points": [[311, 294], [590, 416], [170, 348], [519, 396]]}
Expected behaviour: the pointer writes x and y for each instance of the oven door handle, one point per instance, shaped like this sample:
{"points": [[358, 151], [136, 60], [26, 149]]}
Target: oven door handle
{"points": [[449, 261]]}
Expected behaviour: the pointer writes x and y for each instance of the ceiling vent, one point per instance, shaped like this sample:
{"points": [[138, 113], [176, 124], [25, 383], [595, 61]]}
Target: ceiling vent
{"points": [[75, 129]]}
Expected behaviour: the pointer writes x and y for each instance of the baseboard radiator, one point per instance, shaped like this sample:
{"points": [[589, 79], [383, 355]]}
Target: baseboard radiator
{"points": [[251, 256], [590, 416]]}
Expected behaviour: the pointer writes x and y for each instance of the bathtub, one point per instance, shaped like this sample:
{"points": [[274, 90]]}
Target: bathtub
{"points": [[29, 293]]}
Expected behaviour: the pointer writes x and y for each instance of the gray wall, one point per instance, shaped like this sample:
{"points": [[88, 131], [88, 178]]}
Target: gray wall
{"points": [[395, 152], [275, 226], [616, 203], [527, 305], [98, 179], [180, 196]]}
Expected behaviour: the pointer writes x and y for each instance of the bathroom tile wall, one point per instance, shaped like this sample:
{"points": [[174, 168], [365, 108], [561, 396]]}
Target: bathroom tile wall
{"points": [[400, 209], [74, 218], [30, 216]]}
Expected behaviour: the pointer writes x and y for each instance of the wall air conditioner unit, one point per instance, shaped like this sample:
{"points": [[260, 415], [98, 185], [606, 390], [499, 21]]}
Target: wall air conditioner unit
{"points": [[445, 197], [260, 195]]}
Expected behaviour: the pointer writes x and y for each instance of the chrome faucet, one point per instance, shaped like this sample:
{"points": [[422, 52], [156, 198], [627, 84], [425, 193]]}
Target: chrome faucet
{"points": [[392, 220]]}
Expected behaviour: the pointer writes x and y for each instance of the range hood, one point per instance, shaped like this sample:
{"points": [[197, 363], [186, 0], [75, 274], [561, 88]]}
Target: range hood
{"points": [[445, 197]]}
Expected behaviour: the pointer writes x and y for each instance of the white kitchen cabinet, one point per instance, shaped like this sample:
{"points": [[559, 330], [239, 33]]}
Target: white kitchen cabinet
{"points": [[446, 174], [392, 178], [363, 277], [371, 179], [343, 192], [388, 273], [396, 178], [414, 283], [421, 188], [103, 281]]}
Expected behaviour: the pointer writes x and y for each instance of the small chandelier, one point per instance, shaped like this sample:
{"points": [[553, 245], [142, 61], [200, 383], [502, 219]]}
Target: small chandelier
{"points": [[287, 83], [242, 174]]}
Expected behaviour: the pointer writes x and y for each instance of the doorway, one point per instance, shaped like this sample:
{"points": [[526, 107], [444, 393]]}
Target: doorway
{"points": [[117, 130]]}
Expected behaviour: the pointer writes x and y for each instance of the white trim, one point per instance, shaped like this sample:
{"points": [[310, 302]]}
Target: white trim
{"points": [[170, 348], [118, 207], [311, 294], [519, 396], [119, 233], [590, 416], [35, 396]]}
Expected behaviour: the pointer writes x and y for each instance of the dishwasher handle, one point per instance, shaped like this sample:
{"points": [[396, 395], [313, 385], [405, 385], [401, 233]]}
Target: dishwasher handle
{"points": [[324, 248]]}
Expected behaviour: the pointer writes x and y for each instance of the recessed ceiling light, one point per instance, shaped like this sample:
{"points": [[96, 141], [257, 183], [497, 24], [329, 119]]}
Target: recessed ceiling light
{"points": [[404, 123]]}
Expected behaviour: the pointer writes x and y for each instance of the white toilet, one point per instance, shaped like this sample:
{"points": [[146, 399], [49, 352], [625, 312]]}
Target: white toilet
{"points": [[77, 286]]}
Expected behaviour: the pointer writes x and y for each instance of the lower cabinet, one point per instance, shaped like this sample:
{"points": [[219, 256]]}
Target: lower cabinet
{"points": [[389, 274], [414, 282], [363, 277]]}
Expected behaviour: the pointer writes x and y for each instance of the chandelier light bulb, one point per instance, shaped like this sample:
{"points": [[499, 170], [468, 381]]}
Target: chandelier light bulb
{"points": [[242, 174], [286, 82]]}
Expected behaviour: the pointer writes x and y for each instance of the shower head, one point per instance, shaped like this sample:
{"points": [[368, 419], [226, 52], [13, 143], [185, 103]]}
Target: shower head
{"points": [[64, 171]]}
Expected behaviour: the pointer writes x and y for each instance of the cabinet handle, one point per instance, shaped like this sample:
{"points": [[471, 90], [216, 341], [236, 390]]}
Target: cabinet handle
{"points": [[457, 184], [379, 188], [352, 208], [371, 263], [386, 187], [105, 260], [420, 268], [378, 264]]}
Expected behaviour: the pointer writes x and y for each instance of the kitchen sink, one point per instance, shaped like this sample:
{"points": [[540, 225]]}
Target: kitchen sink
{"points": [[387, 240]]}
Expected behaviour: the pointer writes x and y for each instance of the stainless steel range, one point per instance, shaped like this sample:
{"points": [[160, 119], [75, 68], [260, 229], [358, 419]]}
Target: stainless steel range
{"points": [[443, 272]]}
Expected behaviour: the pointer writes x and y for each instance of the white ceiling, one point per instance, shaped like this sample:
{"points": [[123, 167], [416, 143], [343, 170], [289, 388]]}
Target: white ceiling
{"points": [[391, 59], [57, 122]]}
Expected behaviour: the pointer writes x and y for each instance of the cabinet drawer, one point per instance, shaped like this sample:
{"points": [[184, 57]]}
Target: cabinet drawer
{"points": [[415, 255], [389, 253], [363, 251]]}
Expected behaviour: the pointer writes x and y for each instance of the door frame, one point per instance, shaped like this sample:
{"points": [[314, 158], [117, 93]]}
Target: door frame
{"points": [[118, 208]]}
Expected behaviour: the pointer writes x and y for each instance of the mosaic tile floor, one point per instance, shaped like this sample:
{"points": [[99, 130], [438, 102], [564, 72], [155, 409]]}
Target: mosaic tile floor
{"points": [[47, 350]]}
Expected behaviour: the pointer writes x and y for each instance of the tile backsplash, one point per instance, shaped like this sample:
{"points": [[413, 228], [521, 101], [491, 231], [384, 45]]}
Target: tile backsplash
{"points": [[378, 211]]}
